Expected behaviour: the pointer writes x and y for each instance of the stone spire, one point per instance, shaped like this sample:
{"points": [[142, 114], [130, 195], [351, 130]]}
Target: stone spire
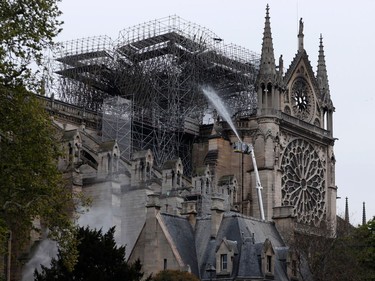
{"points": [[300, 36], [322, 80], [322, 76], [267, 60], [364, 221], [346, 210]]}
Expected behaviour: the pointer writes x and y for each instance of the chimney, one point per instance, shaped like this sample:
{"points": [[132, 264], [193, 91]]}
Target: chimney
{"points": [[189, 209], [217, 211], [285, 221], [153, 205]]}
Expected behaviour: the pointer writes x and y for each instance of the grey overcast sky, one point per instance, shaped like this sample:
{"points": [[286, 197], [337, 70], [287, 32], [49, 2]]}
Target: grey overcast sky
{"points": [[349, 42]]}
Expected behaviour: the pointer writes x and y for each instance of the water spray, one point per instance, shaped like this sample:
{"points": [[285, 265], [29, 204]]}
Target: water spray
{"points": [[220, 108], [239, 146]]}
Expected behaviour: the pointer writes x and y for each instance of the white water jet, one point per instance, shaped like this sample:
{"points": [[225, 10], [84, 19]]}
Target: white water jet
{"points": [[220, 108]]}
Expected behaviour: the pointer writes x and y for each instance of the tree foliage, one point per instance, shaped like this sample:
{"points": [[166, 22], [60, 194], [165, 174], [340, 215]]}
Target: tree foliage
{"points": [[174, 275], [31, 185], [27, 28], [99, 260], [347, 257], [362, 242]]}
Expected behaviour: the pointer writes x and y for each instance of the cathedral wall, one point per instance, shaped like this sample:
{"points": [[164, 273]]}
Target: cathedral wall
{"points": [[226, 164], [332, 189], [198, 154], [262, 135], [133, 214], [248, 180], [104, 211], [266, 179]]}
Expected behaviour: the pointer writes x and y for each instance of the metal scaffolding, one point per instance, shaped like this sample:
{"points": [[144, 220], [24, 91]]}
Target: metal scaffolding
{"points": [[160, 67], [116, 123]]}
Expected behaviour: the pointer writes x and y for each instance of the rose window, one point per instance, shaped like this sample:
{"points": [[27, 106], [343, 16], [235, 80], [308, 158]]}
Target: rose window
{"points": [[303, 182], [302, 100]]}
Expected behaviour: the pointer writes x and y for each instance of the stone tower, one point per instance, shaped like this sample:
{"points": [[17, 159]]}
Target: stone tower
{"points": [[294, 139], [292, 136]]}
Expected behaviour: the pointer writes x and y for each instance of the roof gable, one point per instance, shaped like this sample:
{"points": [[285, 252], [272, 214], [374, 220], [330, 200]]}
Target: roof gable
{"points": [[301, 58], [229, 245], [267, 247]]}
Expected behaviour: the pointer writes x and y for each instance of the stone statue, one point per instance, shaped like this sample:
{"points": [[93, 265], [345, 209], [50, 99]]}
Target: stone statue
{"points": [[300, 26], [281, 64]]}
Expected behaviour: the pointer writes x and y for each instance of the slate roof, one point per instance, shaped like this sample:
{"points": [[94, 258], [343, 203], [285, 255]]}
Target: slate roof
{"points": [[250, 258], [282, 257], [250, 235], [204, 245], [182, 235]]}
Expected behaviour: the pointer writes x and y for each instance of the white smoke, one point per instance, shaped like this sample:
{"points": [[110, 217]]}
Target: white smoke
{"points": [[98, 218], [44, 252]]}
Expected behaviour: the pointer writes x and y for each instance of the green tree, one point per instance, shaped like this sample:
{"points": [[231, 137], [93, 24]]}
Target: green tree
{"points": [[27, 27], [99, 260], [362, 243], [31, 187], [174, 275]]}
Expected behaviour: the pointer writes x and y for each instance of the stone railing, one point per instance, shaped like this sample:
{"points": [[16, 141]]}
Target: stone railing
{"points": [[72, 113], [92, 119], [308, 126], [295, 121]]}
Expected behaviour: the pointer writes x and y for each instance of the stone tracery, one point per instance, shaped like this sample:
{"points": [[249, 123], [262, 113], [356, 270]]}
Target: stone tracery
{"points": [[303, 182]]}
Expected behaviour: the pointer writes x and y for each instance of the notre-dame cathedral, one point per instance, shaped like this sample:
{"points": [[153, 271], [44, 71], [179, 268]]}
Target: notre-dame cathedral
{"points": [[158, 161]]}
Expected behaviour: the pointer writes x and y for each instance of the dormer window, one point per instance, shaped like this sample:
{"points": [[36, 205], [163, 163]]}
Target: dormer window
{"points": [[224, 262], [225, 254], [268, 258]]}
